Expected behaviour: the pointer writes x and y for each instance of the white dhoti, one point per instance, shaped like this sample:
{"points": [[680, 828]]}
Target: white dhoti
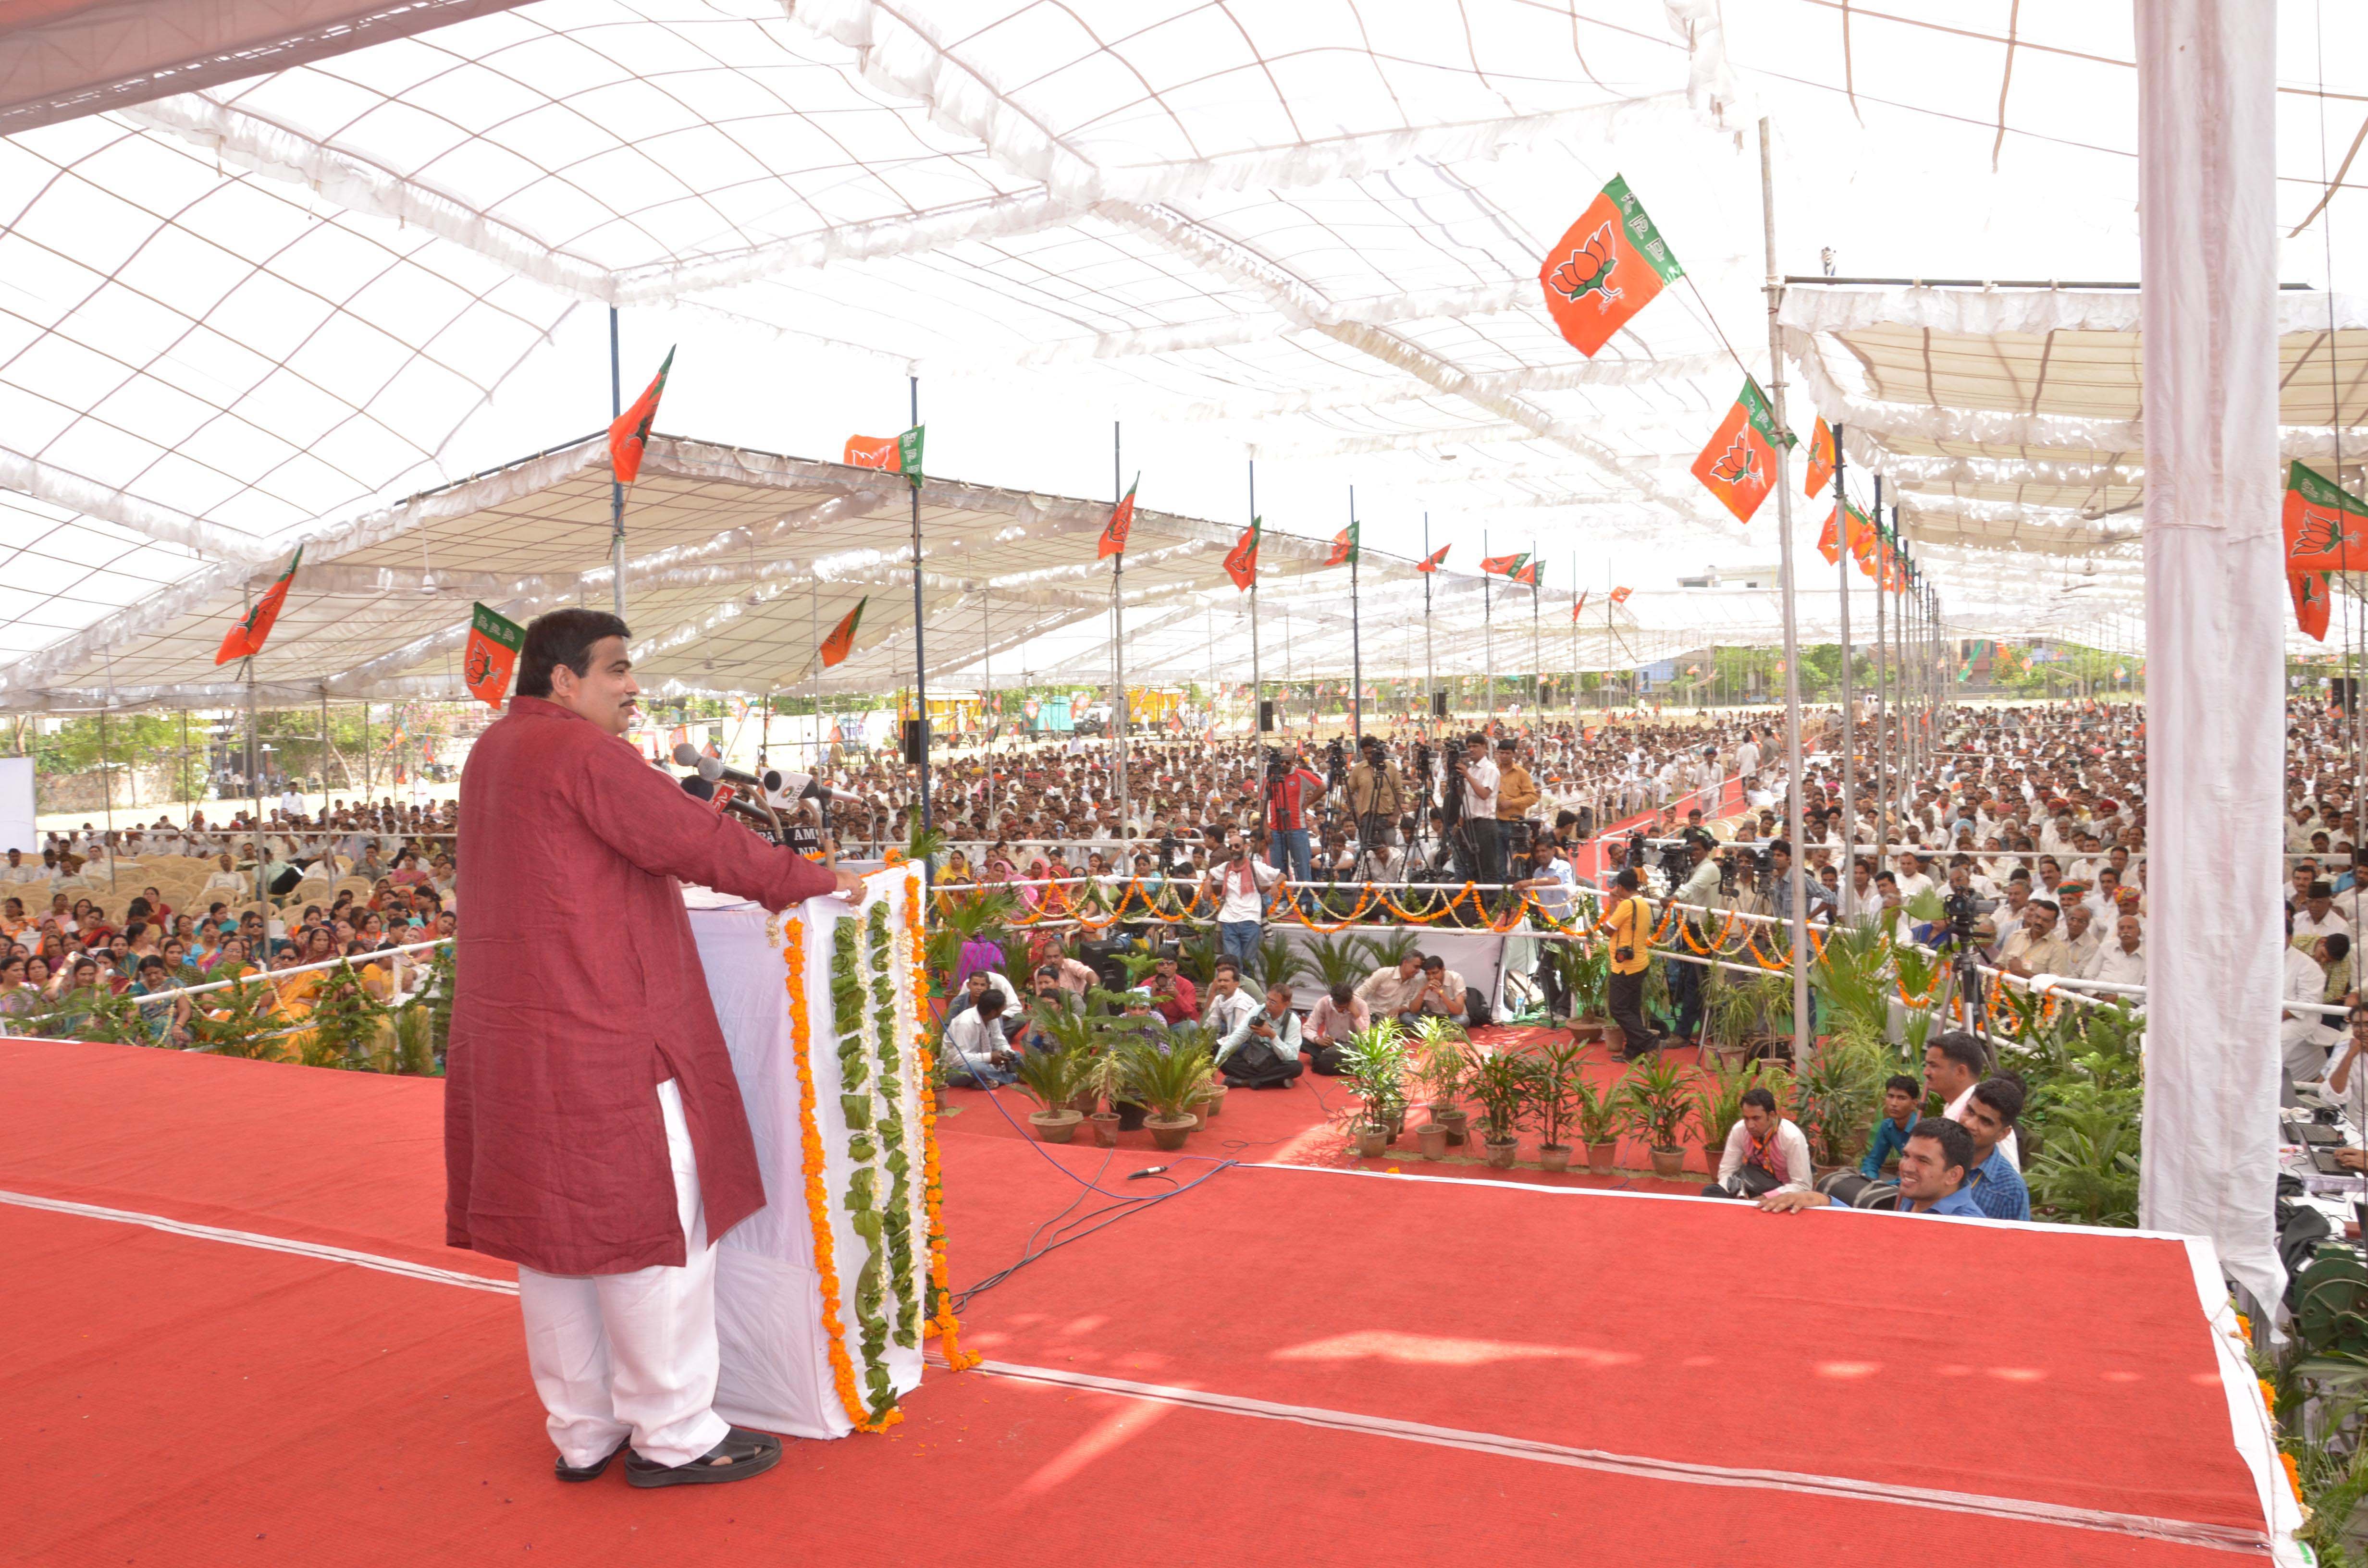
{"points": [[2306, 1042], [619, 1354]]}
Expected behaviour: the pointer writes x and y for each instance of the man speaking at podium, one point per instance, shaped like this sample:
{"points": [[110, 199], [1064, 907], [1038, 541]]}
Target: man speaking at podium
{"points": [[593, 1130]]}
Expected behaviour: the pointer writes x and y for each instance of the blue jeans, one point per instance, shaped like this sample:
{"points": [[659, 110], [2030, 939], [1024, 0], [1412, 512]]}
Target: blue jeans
{"points": [[1238, 940], [962, 1075], [1291, 842]]}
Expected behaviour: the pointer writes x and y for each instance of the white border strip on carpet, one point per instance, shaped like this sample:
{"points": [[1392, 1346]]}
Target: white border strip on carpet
{"points": [[423, 1271], [2225, 1538]]}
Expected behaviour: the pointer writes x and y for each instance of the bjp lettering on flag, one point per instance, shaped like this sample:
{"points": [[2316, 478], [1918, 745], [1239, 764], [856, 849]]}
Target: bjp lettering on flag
{"points": [[2326, 526], [1609, 266], [491, 653]]}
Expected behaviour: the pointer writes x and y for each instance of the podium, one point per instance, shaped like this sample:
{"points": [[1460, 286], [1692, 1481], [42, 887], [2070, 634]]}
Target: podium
{"points": [[821, 1297]]}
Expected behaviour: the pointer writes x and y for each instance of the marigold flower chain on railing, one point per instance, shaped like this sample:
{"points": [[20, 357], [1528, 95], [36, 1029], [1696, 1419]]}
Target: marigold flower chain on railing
{"points": [[817, 1190], [941, 1317]]}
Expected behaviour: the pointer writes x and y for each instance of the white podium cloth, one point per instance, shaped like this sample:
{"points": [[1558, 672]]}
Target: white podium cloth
{"points": [[776, 1372]]}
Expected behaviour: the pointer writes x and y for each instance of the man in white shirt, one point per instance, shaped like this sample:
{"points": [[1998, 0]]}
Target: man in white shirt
{"points": [[1953, 1062], [1240, 885], [2319, 916], [2120, 962], [1768, 1143], [2081, 938], [980, 1056], [2305, 1034], [19, 872], [1230, 1006], [1746, 760], [1483, 857]]}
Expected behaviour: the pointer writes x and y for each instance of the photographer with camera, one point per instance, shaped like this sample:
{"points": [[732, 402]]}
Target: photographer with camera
{"points": [[1474, 791], [1766, 1152], [1517, 794], [1293, 792], [1630, 924], [1377, 795], [1698, 892]]}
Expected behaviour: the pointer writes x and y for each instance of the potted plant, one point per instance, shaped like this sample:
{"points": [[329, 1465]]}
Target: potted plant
{"points": [[1718, 1098], [1500, 1082], [1598, 1116], [1049, 1078], [1840, 1086], [1658, 1096], [1586, 975], [1441, 1058], [1558, 1071], [1374, 1062], [1167, 1083]]}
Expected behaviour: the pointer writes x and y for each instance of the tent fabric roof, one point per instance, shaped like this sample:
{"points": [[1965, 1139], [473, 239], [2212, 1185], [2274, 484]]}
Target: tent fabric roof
{"points": [[269, 309]]}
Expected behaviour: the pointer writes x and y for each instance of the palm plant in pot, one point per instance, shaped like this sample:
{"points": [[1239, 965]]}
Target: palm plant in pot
{"points": [[1558, 1072], [1199, 1037], [1442, 1059], [1501, 1082], [1049, 1078], [1374, 1062], [1597, 1114], [1658, 1096], [1168, 1083], [1586, 975]]}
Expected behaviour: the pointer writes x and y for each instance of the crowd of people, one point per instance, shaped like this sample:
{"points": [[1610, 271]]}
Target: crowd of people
{"points": [[81, 921]]}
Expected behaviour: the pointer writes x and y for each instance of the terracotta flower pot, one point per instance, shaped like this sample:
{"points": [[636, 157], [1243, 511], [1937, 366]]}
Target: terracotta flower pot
{"points": [[1669, 1164], [1432, 1137], [1085, 1102], [1105, 1128], [1501, 1155], [1553, 1156], [1602, 1156], [938, 1095], [1371, 1142], [1459, 1121], [1214, 1102], [1169, 1133], [1584, 1030], [1055, 1126]]}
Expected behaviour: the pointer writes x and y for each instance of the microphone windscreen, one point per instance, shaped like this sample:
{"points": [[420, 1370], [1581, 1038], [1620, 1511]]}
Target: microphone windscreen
{"points": [[710, 768], [698, 788], [686, 754], [771, 779]]}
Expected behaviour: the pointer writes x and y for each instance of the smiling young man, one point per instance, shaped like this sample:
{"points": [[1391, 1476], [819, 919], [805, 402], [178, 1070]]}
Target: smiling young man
{"points": [[593, 1130]]}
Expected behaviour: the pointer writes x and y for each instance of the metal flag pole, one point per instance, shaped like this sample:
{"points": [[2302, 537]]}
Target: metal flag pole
{"points": [[920, 655], [1430, 683], [1118, 645], [1791, 635], [1842, 571], [987, 715], [1257, 685], [1488, 640], [1574, 602], [325, 746], [1356, 642], [813, 619], [616, 485], [1537, 657]]}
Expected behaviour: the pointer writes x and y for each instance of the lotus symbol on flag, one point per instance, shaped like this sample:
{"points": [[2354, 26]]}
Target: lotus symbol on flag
{"points": [[1588, 269], [480, 666], [2319, 535], [1738, 465]]}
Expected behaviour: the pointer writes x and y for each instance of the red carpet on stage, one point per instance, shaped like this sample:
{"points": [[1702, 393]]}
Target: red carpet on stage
{"points": [[190, 1399]]}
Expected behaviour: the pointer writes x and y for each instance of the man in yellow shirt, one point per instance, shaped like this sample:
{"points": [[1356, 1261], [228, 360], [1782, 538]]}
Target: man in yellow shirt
{"points": [[1630, 927]]}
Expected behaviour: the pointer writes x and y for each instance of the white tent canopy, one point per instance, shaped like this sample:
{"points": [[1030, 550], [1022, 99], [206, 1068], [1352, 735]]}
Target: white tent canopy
{"points": [[269, 310]]}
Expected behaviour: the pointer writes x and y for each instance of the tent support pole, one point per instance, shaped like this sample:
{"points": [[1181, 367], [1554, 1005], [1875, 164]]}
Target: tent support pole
{"points": [[616, 487], [1118, 647], [1257, 685], [1355, 642], [1794, 875], [1849, 729], [920, 655]]}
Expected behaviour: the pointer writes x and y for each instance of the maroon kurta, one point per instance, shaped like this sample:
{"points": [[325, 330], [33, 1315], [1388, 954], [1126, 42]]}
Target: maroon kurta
{"points": [[579, 991]]}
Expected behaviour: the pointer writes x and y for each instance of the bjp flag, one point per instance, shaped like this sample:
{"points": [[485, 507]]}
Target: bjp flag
{"points": [[841, 640], [874, 451], [1504, 565], [1739, 465], [491, 653], [246, 640], [1609, 266], [1241, 562], [1821, 459], [631, 431], [1580, 605], [1526, 574], [1620, 596], [1829, 540], [1344, 547], [2327, 528], [1431, 562], [2309, 591], [1121, 519]]}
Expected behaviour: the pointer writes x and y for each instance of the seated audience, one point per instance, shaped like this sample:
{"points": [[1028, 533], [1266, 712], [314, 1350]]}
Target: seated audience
{"points": [[1262, 1052]]}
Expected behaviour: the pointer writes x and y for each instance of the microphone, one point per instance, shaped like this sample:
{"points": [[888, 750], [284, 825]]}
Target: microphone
{"points": [[1146, 1171], [700, 789], [715, 770]]}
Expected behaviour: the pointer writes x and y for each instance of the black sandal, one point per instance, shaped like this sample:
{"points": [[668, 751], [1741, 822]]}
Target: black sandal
{"points": [[742, 1454], [594, 1470]]}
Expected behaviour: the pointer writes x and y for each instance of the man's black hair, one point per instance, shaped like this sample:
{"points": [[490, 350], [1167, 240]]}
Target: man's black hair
{"points": [[1339, 992], [1962, 1049], [1759, 1096], [2003, 1096], [563, 637], [2339, 946], [1956, 1143], [989, 1003], [1432, 960], [1905, 1085], [1224, 964]]}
